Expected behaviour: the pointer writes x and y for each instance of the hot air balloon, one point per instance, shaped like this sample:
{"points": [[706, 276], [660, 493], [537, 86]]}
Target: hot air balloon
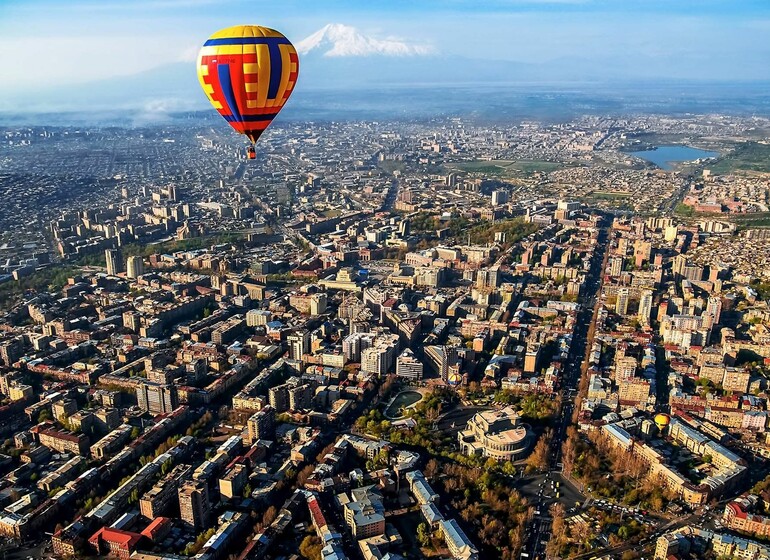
{"points": [[248, 72], [662, 421], [454, 379]]}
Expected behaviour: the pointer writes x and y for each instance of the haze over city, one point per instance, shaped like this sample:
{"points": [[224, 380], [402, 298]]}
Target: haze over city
{"points": [[137, 54]]}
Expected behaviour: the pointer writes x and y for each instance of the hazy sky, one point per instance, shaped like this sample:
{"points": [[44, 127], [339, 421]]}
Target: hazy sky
{"points": [[45, 43]]}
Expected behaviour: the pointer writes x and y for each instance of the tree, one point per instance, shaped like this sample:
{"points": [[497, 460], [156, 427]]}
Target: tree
{"points": [[269, 516], [568, 450], [558, 526], [304, 474], [582, 533], [310, 548], [538, 459], [423, 534], [432, 469]]}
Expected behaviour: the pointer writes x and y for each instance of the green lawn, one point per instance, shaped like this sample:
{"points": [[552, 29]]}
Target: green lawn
{"points": [[390, 166], [753, 220], [748, 156]]}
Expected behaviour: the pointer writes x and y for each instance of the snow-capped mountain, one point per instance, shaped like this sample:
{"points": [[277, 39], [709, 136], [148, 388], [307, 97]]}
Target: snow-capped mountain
{"points": [[336, 39]]}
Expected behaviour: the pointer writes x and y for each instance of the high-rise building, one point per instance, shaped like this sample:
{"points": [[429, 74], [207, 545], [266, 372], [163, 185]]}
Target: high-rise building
{"points": [[670, 233], [379, 358], [11, 351], [634, 392], [156, 501], [488, 277], [351, 347], [408, 366], [227, 331], [616, 266], [134, 266], [301, 397], [354, 344], [114, 261], [441, 358], [623, 298], [714, 308], [317, 304], [156, 398], [645, 306], [622, 248], [194, 506], [257, 317], [132, 320], [531, 359], [678, 265], [233, 482], [261, 424], [625, 368], [299, 344], [499, 198], [693, 273], [279, 397], [642, 252]]}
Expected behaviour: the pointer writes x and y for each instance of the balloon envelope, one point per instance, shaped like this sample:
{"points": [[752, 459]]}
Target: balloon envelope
{"points": [[248, 72]]}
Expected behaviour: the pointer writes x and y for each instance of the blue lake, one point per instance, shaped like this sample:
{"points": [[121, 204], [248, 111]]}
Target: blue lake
{"points": [[665, 156]]}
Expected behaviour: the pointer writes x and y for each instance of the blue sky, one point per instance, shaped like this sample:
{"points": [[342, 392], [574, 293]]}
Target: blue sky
{"points": [[44, 43]]}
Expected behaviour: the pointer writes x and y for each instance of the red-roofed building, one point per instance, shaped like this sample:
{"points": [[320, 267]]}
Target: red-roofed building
{"points": [[316, 514], [158, 529], [61, 440], [739, 517], [114, 541]]}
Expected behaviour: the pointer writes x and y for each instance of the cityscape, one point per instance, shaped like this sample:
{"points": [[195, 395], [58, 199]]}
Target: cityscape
{"points": [[531, 327]]}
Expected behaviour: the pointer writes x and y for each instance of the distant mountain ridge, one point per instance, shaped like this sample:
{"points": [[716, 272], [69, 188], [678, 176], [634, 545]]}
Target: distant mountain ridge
{"points": [[340, 58], [336, 39]]}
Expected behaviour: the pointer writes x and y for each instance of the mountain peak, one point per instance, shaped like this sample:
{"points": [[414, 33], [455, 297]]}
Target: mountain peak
{"points": [[337, 39]]}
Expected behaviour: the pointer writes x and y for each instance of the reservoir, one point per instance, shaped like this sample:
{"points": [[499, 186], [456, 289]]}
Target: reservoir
{"points": [[665, 156]]}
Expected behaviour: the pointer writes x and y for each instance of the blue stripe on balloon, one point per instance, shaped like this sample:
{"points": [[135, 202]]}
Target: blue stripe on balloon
{"points": [[250, 118], [223, 73], [276, 68], [247, 41]]}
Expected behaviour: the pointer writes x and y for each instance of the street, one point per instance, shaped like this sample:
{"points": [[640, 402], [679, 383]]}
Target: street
{"points": [[539, 529]]}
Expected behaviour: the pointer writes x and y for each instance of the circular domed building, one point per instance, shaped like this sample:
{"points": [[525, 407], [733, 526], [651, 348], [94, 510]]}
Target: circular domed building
{"points": [[495, 433]]}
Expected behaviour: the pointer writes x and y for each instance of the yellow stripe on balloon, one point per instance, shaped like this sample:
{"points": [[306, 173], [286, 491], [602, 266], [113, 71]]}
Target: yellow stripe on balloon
{"points": [[263, 79], [285, 65]]}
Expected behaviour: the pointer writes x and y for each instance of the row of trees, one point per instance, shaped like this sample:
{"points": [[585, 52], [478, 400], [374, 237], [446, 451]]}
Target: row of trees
{"points": [[538, 459], [194, 547]]}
